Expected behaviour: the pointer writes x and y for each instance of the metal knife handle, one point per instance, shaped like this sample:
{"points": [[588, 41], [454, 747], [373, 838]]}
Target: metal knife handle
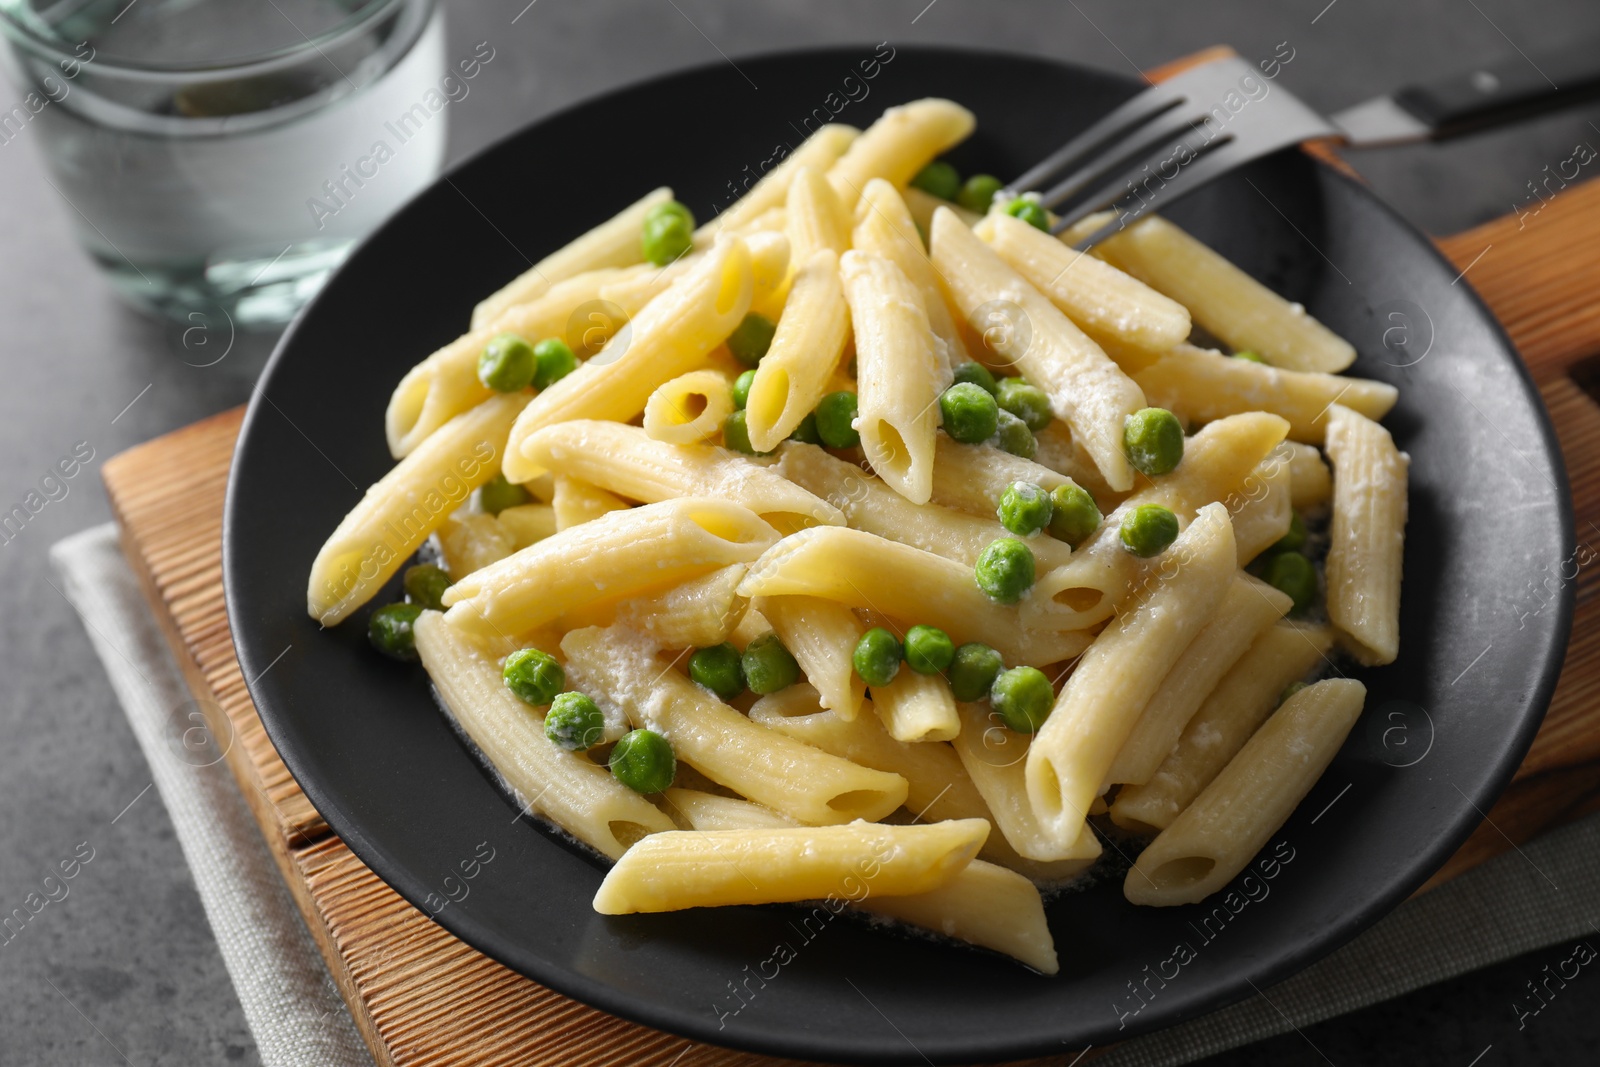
{"points": [[1519, 87]]}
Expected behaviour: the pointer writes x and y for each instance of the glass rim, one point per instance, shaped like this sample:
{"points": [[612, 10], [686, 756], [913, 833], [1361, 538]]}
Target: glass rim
{"points": [[54, 48]]}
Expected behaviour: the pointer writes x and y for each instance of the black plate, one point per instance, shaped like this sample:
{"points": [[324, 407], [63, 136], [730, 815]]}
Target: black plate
{"points": [[1484, 620]]}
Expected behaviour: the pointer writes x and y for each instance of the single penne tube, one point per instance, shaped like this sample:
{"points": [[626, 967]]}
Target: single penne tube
{"points": [[817, 152], [446, 383], [698, 869], [1054, 449], [1247, 610], [884, 227], [903, 141], [607, 560], [1107, 304], [400, 510], [613, 243], [471, 541], [625, 460], [1367, 541], [822, 636], [568, 788], [698, 613], [1217, 462], [1310, 480], [910, 585], [915, 708], [922, 206], [696, 810], [1224, 299], [630, 290], [527, 523], [1261, 511], [814, 219], [620, 669], [1103, 698], [1283, 653], [971, 478], [1230, 821], [805, 352], [900, 371], [995, 759], [689, 409], [671, 336], [868, 504], [984, 905], [1087, 391], [576, 501], [1199, 386]]}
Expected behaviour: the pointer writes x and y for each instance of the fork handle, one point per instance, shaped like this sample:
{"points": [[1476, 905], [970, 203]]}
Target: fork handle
{"points": [[1490, 95]]}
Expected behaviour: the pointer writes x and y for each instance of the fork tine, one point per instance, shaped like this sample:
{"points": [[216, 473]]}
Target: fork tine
{"points": [[1212, 158], [1132, 115], [1136, 147]]}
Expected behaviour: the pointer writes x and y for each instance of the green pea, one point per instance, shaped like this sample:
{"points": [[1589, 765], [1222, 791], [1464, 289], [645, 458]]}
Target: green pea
{"points": [[1023, 699], [1248, 356], [835, 414], [574, 722], [939, 179], [1012, 435], [736, 434], [717, 669], [750, 339], [498, 494], [534, 675], [741, 389], [1292, 574], [968, 413], [425, 584], [768, 666], [877, 656], [929, 649], [668, 233], [389, 630], [807, 430], [506, 364], [977, 193], [554, 362], [973, 671], [1152, 438], [1026, 401], [1295, 539], [1148, 529], [1290, 690], [1074, 515], [1031, 212], [643, 761], [1005, 570], [1024, 509], [976, 373]]}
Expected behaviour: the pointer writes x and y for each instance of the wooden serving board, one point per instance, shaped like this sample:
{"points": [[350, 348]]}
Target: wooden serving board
{"points": [[419, 996]]}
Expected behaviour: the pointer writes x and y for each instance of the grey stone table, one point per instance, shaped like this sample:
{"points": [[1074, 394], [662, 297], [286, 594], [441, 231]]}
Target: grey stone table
{"points": [[125, 971]]}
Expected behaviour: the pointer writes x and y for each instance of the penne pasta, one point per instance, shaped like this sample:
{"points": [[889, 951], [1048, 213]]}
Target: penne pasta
{"points": [[620, 669], [1310, 481], [814, 218], [1247, 610], [567, 788], [689, 409], [1260, 510], [695, 810], [915, 707], [971, 478], [1101, 702], [624, 460], [576, 501], [899, 376], [613, 243], [1367, 541], [619, 555], [903, 141], [1246, 695], [527, 523], [822, 636], [397, 514], [470, 542], [1228, 823], [884, 227], [805, 352], [1087, 390], [922, 205], [1224, 299], [904, 583], [698, 613], [696, 869], [1200, 386]]}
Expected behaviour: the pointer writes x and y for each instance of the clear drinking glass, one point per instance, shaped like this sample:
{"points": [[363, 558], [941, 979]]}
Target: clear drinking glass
{"points": [[224, 155]]}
